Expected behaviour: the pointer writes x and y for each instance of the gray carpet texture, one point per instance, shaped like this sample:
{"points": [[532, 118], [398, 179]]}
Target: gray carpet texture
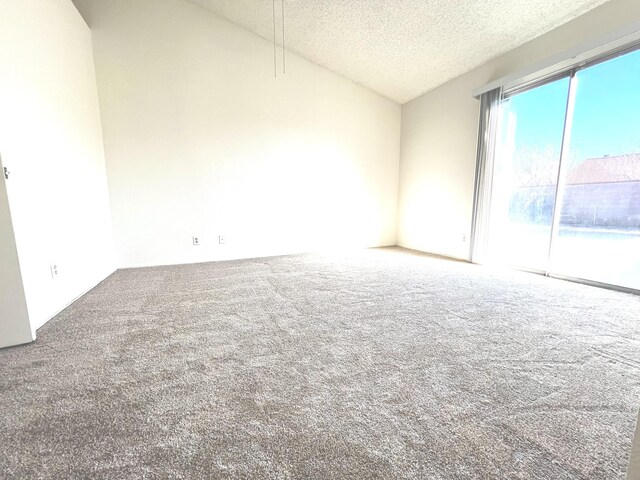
{"points": [[379, 363]]}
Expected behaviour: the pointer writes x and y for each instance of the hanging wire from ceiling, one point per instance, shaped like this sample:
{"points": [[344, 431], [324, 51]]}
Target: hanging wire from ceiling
{"points": [[275, 55], [284, 69], [275, 63]]}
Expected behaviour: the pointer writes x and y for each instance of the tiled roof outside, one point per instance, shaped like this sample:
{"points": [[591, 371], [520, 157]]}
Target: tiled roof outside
{"points": [[621, 168]]}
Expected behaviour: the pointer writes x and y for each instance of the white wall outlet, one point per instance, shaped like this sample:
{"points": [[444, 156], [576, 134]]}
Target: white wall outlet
{"points": [[222, 239], [464, 238], [54, 270], [196, 241]]}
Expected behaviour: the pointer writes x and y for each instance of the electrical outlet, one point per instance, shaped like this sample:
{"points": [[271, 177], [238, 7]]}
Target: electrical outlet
{"points": [[464, 238], [196, 241], [221, 239], [54, 270]]}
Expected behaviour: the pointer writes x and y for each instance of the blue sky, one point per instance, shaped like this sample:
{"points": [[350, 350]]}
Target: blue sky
{"points": [[606, 116]]}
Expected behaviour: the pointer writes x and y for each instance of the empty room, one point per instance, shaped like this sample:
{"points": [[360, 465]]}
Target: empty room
{"points": [[337, 239]]}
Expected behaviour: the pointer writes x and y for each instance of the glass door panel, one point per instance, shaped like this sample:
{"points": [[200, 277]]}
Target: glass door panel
{"points": [[598, 234], [525, 173]]}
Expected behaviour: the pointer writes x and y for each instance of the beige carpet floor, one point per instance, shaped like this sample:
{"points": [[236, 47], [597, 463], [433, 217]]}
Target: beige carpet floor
{"points": [[375, 364]]}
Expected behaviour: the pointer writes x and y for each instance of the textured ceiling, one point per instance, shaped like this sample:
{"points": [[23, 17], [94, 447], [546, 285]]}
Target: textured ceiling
{"points": [[402, 48]]}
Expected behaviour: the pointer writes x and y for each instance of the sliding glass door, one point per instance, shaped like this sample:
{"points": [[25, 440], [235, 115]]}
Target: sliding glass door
{"points": [[565, 197], [599, 229], [527, 161]]}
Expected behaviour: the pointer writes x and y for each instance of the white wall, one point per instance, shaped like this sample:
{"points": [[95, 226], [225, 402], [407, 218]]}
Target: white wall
{"points": [[50, 138], [14, 318], [439, 134], [201, 139], [633, 470]]}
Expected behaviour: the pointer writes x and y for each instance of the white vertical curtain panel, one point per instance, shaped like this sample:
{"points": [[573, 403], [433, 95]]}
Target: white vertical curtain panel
{"points": [[487, 134]]}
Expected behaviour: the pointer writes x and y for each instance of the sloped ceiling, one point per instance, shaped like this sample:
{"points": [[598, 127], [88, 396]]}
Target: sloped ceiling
{"points": [[401, 48]]}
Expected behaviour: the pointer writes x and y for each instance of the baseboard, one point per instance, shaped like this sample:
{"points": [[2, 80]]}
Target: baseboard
{"points": [[84, 292], [435, 255], [244, 257]]}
